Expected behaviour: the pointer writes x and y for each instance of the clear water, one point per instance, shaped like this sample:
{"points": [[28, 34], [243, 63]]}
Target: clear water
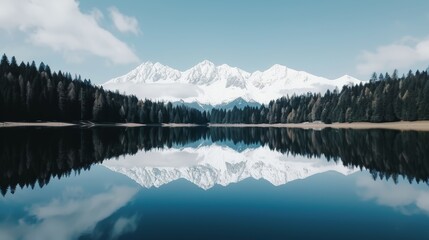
{"points": [[200, 183]]}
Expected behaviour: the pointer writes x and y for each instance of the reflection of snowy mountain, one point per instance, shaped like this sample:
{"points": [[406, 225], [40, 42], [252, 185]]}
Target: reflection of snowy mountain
{"points": [[206, 166]]}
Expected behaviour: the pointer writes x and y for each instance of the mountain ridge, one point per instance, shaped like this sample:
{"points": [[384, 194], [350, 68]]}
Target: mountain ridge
{"points": [[207, 83], [207, 166], [239, 103]]}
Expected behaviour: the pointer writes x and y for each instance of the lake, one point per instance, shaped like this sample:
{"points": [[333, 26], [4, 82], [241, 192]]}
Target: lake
{"points": [[213, 183]]}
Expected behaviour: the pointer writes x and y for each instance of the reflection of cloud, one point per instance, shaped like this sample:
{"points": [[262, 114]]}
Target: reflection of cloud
{"points": [[68, 217], [172, 158], [401, 196], [124, 225]]}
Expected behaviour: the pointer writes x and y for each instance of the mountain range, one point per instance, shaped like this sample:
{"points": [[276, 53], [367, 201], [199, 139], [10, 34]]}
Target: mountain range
{"points": [[210, 165], [206, 85]]}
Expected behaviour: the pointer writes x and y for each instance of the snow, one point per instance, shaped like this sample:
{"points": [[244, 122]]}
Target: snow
{"points": [[207, 83], [206, 166]]}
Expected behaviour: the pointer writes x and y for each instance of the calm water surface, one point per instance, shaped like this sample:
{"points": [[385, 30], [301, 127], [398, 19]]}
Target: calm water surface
{"points": [[213, 183]]}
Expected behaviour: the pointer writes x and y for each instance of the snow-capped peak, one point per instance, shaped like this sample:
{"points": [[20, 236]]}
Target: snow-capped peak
{"points": [[203, 73], [207, 83], [207, 166], [148, 72], [347, 80], [206, 63], [277, 68]]}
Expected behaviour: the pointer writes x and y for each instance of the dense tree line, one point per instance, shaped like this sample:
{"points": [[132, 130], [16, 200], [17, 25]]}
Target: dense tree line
{"points": [[387, 154], [30, 93], [383, 99], [34, 156]]}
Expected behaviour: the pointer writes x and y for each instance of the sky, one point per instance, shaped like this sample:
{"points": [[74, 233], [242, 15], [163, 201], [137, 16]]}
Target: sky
{"points": [[103, 39]]}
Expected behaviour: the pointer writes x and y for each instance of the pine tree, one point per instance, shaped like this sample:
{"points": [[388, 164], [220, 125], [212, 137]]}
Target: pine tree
{"points": [[378, 106], [4, 64], [29, 100], [83, 104], [99, 106], [62, 98], [373, 77], [395, 74]]}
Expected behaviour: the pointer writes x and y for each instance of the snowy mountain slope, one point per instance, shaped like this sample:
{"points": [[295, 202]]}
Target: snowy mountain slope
{"points": [[240, 103], [207, 166], [207, 83]]}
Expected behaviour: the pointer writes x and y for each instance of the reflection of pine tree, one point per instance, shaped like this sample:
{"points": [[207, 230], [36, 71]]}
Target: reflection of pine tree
{"points": [[31, 156]]}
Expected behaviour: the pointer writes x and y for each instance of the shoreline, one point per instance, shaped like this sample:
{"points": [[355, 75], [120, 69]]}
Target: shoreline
{"points": [[402, 125], [90, 124], [36, 124]]}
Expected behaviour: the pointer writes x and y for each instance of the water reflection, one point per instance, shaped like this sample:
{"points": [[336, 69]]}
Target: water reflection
{"points": [[408, 199], [67, 209], [206, 166], [102, 204], [30, 156], [67, 216]]}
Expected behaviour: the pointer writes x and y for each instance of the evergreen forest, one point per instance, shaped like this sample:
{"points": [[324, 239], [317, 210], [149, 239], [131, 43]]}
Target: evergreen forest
{"points": [[386, 98], [32, 157], [31, 93]]}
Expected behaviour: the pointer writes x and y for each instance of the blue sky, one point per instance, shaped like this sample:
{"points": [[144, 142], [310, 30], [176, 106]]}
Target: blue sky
{"points": [[102, 39]]}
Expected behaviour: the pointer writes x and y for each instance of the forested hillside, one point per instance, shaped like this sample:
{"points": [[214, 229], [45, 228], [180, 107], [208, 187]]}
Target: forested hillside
{"points": [[383, 99], [30, 93]]}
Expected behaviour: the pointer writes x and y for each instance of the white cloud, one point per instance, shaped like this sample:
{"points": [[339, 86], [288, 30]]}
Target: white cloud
{"points": [[124, 23], [403, 54], [61, 26], [97, 14], [158, 90]]}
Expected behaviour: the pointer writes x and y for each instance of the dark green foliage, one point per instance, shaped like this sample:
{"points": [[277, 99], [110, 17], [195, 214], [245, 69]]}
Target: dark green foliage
{"points": [[385, 99], [28, 93], [34, 156]]}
